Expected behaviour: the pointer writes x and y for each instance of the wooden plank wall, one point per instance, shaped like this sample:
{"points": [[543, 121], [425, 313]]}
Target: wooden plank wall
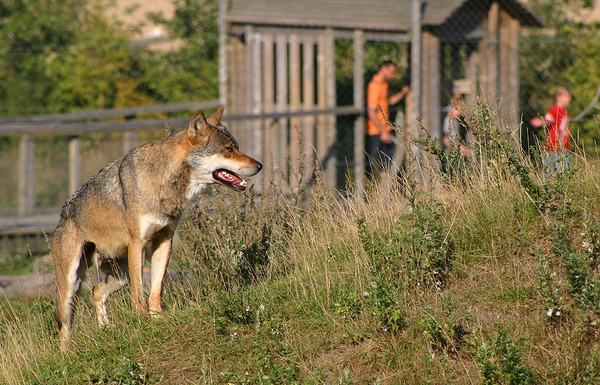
{"points": [[285, 71]]}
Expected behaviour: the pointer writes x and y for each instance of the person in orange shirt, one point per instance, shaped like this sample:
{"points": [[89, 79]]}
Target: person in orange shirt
{"points": [[379, 146]]}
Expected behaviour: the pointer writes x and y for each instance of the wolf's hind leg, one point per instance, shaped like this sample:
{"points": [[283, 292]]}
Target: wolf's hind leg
{"points": [[70, 264], [115, 278]]}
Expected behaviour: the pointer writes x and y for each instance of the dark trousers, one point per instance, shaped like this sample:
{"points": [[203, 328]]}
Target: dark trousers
{"points": [[379, 155]]}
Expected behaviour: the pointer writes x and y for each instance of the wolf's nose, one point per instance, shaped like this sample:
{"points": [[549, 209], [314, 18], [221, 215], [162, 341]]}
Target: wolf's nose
{"points": [[259, 167]]}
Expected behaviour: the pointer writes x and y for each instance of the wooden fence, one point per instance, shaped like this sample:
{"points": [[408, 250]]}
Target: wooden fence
{"points": [[27, 218]]}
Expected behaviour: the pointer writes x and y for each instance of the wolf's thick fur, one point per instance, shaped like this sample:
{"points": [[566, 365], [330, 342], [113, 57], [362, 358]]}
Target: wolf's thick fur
{"points": [[135, 203]]}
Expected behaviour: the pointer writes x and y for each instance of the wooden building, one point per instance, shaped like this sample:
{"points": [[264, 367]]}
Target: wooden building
{"points": [[279, 57]]}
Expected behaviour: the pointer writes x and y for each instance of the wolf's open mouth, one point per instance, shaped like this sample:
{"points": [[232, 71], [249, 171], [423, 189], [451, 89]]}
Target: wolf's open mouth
{"points": [[229, 178]]}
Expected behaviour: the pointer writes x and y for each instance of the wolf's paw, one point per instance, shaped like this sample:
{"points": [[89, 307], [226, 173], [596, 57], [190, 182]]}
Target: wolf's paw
{"points": [[154, 314]]}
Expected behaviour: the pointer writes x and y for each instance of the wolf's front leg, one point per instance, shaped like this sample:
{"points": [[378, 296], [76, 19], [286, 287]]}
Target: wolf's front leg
{"points": [[135, 260], [160, 261]]}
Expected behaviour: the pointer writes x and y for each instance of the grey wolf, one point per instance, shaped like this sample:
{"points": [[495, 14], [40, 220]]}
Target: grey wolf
{"points": [[132, 207]]}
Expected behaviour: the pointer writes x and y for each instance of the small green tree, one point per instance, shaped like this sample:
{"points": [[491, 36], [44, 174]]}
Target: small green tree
{"points": [[191, 71], [58, 56], [30, 31], [99, 69]]}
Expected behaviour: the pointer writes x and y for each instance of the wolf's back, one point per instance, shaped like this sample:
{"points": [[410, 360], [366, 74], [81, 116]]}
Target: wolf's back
{"points": [[103, 188]]}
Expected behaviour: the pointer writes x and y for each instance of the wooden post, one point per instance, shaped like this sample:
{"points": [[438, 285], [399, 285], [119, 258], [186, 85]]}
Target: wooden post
{"points": [[431, 84], [257, 96], [255, 136], [489, 54], [295, 104], [430, 98], [471, 76], [416, 82], [329, 56], [359, 103], [223, 77], [308, 91], [282, 106], [509, 69], [322, 144], [237, 87], [246, 126], [74, 165], [269, 105], [26, 175], [130, 141]]}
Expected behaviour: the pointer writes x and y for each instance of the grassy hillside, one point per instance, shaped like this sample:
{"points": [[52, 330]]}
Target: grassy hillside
{"points": [[491, 275]]}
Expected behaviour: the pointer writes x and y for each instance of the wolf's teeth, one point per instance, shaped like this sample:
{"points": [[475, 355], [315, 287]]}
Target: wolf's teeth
{"points": [[244, 183]]}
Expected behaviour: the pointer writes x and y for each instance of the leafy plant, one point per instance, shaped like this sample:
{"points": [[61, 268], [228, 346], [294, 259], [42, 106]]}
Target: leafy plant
{"points": [[500, 362], [581, 264], [382, 290], [446, 332], [127, 372], [348, 306], [550, 290]]}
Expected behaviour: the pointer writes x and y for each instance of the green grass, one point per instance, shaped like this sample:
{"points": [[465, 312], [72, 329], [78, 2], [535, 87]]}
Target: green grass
{"points": [[475, 281]]}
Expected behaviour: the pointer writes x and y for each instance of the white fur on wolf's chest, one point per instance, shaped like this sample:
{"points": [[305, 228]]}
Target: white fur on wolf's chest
{"points": [[152, 223]]}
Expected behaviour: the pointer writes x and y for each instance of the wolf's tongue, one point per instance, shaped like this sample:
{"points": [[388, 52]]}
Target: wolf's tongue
{"points": [[230, 179]]}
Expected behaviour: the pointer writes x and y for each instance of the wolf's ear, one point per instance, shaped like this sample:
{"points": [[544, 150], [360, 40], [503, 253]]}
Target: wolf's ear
{"points": [[198, 127], [215, 117]]}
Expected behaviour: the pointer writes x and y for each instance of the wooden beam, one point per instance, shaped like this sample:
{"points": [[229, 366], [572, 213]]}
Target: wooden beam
{"points": [[223, 59], [359, 103], [295, 105], [308, 102], [512, 42], [270, 137], [414, 101], [74, 165], [256, 129], [8, 122], [471, 75], [431, 84], [26, 175], [331, 101], [282, 106], [490, 55], [322, 84]]}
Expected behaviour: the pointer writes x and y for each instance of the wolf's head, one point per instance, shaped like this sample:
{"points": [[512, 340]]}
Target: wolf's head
{"points": [[215, 156]]}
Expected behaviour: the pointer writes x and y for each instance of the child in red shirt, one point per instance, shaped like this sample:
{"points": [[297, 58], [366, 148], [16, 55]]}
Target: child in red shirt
{"points": [[556, 121]]}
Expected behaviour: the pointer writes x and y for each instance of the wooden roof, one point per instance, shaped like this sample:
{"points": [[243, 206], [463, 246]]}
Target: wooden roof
{"points": [[373, 15]]}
